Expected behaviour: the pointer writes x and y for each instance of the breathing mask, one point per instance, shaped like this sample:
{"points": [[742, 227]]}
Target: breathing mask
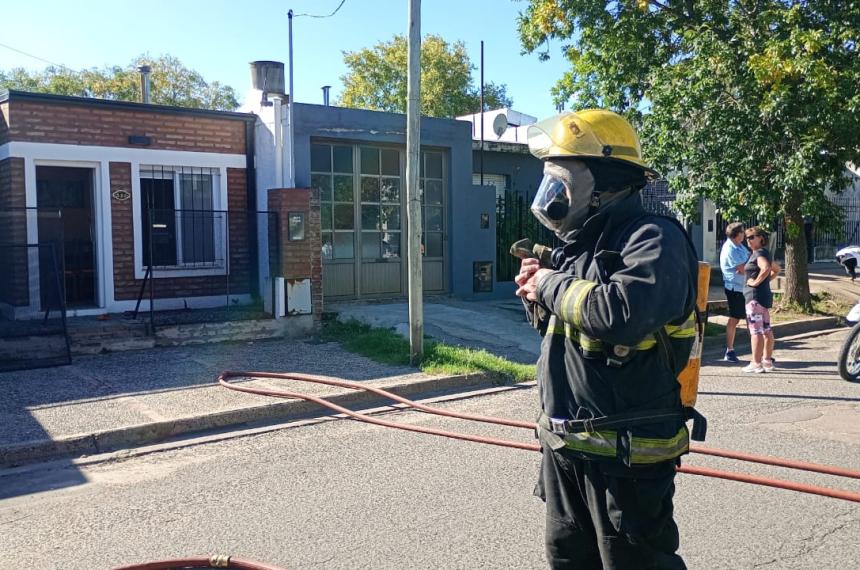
{"points": [[564, 197]]}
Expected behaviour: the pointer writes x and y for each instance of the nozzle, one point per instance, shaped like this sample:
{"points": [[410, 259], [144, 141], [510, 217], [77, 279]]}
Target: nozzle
{"points": [[526, 249], [523, 249]]}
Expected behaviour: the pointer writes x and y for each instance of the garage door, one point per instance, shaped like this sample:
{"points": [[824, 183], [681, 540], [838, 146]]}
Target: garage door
{"points": [[363, 218]]}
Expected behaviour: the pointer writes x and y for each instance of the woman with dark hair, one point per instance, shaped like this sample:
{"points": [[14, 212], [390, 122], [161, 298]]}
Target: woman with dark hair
{"points": [[759, 271]]}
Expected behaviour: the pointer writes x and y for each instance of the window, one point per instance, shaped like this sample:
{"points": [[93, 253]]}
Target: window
{"points": [[332, 174], [432, 195], [380, 203], [181, 228]]}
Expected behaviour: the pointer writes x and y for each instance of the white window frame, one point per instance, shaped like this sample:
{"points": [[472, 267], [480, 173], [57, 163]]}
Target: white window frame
{"points": [[219, 203]]}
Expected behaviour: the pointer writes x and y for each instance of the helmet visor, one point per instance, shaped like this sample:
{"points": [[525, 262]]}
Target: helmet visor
{"points": [[551, 203]]}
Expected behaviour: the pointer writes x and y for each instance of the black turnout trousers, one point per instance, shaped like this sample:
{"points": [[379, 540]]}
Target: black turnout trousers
{"points": [[597, 520]]}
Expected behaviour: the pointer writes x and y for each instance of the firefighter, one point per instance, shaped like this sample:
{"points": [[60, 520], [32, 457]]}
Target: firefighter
{"points": [[617, 316]]}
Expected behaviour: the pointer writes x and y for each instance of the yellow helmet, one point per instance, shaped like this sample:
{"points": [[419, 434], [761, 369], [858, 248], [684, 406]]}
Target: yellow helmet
{"points": [[593, 133]]}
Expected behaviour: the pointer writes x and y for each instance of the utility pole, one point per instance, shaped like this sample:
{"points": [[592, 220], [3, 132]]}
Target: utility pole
{"points": [[413, 199], [290, 109]]}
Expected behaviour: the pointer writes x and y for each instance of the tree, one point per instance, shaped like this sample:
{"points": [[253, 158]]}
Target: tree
{"points": [[750, 103], [171, 83], [377, 79]]}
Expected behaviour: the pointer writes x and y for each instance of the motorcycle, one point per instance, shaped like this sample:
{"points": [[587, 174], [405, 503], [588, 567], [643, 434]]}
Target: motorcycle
{"points": [[849, 355]]}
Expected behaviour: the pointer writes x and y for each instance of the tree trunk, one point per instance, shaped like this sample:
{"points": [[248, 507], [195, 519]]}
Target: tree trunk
{"points": [[796, 263]]}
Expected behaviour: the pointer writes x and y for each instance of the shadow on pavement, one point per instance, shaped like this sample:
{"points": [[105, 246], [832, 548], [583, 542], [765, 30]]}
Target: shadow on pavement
{"points": [[122, 389]]}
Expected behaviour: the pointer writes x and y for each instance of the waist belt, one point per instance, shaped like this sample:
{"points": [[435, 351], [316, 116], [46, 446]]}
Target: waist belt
{"points": [[611, 436], [617, 355]]}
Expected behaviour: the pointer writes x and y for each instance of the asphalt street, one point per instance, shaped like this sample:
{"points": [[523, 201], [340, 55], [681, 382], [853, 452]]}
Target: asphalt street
{"points": [[338, 494]]}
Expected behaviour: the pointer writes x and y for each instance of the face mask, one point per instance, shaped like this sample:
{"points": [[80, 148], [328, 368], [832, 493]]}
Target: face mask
{"points": [[563, 199]]}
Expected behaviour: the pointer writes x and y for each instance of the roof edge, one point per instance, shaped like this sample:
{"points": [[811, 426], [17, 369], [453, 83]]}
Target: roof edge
{"points": [[7, 95]]}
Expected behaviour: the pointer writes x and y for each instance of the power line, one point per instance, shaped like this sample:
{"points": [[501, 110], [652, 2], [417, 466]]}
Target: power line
{"points": [[320, 15], [35, 57]]}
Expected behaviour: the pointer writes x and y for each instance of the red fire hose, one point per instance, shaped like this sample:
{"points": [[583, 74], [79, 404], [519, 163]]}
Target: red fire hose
{"points": [[218, 561], [225, 378]]}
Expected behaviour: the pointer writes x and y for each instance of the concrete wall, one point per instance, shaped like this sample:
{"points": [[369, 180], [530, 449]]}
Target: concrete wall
{"points": [[523, 170], [476, 244]]}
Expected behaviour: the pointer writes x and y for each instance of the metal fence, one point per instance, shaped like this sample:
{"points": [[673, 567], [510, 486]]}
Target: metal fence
{"points": [[821, 244], [196, 252], [41, 339]]}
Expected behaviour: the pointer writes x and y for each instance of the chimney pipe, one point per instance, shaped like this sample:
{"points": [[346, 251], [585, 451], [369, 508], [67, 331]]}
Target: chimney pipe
{"points": [[325, 90], [144, 83]]}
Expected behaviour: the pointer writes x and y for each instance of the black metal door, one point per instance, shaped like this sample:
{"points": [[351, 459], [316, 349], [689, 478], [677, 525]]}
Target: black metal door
{"points": [[70, 191]]}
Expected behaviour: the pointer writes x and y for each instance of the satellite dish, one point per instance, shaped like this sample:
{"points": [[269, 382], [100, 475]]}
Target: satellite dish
{"points": [[500, 124]]}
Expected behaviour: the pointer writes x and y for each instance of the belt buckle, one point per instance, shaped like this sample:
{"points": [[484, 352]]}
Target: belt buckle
{"points": [[556, 425]]}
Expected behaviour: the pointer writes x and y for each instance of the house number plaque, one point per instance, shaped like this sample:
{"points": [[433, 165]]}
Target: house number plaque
{"points": [[121, 195]]}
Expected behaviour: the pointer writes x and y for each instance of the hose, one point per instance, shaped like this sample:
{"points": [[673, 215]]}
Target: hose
{"points": [[217, 561], [224, 380]]}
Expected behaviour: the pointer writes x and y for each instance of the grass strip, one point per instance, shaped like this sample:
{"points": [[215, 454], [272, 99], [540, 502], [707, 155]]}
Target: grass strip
{"points": [[388, 347]]}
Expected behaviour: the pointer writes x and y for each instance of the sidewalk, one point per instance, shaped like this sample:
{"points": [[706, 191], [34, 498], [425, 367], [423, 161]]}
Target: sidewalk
{"points": [[128, 399]]}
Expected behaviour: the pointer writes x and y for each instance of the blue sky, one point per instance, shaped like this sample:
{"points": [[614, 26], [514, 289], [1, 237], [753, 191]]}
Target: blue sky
{"points": [[218, 38]]}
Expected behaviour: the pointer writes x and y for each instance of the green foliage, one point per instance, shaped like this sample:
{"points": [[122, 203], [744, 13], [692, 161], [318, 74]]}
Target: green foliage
{"points": [[171, 83], [385, 345], [377, 79], [751, 103]]}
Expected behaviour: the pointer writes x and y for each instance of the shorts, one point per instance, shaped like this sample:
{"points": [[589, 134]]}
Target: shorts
{"points": [[736, 304], [758, 318]]}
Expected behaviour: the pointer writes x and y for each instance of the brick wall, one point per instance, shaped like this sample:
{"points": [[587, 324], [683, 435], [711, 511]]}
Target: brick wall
{"points": [[300, 259], [90, 124], [14, 280], [126, 287]]}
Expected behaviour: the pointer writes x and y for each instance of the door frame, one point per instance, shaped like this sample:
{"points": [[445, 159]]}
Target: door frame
{"points": [[100, 234]]}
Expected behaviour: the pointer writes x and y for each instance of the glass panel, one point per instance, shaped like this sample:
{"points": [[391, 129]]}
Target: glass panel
{"points": [[296, 226], [343, 189], [391, 190], [344, 217], [344, 246], [325, 216], [434, 219], [391, 162], [198, 236], [370, 245], [195, 191], [343, 159], [433, 162], [390, 218], [370, 217], [323, 182], [390, 244], [433, 244], [369, 189], [434, 191], [369, 160], [320, 158], [327, 249]]}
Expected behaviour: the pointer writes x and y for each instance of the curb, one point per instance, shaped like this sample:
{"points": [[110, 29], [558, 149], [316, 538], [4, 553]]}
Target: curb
{"points": [[154, 432]]}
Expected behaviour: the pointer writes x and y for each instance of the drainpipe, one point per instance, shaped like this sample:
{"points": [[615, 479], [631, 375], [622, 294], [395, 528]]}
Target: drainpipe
{"points": [[290, 110], [144, 83], [279, 142], [251, 205]]}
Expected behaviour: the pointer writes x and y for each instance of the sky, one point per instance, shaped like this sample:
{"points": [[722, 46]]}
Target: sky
{"points": [[219, 38]]}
